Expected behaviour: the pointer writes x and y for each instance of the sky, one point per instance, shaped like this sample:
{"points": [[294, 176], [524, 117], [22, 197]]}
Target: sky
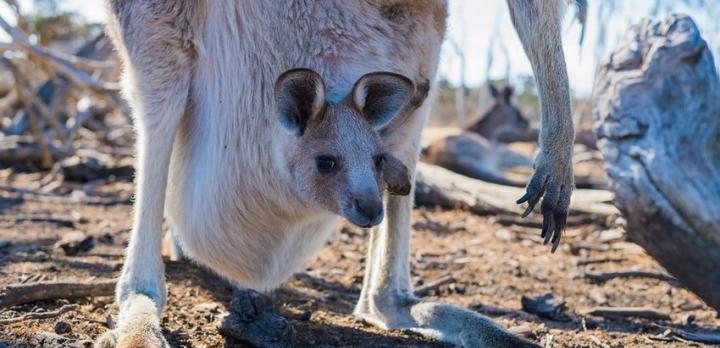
{"points": [[475, 25], [471, 24]]}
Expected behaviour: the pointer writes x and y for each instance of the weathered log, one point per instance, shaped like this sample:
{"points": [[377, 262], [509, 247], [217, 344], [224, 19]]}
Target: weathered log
{"points": [[637, 312], [18, 294], [606, 276], [436, 186], [657, 107]]}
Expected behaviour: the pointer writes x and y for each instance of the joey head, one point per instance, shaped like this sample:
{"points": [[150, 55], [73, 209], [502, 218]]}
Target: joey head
{"points": [[336, 156]]}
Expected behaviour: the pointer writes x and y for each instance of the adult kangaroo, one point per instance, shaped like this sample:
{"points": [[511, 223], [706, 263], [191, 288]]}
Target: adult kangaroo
{"points": [[253, 161]]}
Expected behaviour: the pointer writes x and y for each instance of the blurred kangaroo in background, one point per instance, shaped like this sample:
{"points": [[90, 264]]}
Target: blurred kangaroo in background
{"points": [[251, 170], [502, 118]]}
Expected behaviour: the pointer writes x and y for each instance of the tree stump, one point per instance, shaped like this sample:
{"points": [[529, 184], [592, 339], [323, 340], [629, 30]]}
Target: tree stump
{"points": [[657, 107]]}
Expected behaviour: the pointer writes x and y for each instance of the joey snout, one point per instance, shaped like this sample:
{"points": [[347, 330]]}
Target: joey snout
{"points": [[366, 209]]}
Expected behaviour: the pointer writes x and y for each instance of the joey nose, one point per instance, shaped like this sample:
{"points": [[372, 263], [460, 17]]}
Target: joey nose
{"points": [[370, 209]]}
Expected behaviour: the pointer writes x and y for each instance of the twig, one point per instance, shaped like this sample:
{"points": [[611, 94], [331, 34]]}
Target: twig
{"points": [[427, 288], [638, 312], [18, 294], [604, 277], [30, 218], [42, 315], [706, 338], [589, 246], [54, 197], [586, 262], [572, 221]]}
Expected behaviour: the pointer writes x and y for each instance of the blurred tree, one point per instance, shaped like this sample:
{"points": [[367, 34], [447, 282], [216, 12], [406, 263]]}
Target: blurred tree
{"points": [[52, 24]]}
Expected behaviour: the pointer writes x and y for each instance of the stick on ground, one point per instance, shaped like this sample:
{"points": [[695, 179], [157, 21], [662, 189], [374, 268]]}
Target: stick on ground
{"points": [[603, 277], [18, 294], [41, 315], [638, 312], [427, 288]]}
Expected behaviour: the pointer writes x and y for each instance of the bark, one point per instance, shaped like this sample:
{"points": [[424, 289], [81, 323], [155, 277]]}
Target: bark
{"points": [[657, 107]]}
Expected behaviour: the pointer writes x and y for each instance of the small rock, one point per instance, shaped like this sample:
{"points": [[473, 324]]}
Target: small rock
{"points": [[5, 244], [75, 242], [545, 306], [504, 234], [106, 238], [628, 248], [207, 307], [253, 320], [527, 243], [598, 296], [62, 327], [690, 320], [612, 234], [305, 315], [524, 331], [79, 218]]}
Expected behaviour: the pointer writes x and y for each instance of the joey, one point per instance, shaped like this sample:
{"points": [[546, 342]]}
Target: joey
{"points": [[337, 158]]}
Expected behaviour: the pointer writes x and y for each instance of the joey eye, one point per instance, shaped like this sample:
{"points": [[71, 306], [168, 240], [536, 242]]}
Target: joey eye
{"points": [[325, 164], [379, 161]]}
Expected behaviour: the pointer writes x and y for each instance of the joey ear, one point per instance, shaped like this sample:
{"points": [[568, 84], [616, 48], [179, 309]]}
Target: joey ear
{"points": [[508, 93], [300, 96], [396, 176], [379, 96]]}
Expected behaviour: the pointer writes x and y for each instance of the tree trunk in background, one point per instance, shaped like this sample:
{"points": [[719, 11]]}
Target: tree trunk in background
{"points": [[657, 107]]}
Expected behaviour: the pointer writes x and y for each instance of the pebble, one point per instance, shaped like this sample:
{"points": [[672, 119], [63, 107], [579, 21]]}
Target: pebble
{"points": [[75, 242], [62, 327], [106, 238]]}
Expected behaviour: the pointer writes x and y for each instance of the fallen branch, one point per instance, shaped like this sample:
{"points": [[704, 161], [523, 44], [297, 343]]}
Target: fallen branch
{"points": [[64, 199], [436, 186], [18, 294], [575, 247], [60, 222], [706, 338], [606, 276], [586, 262], [637, 312], [572, 221], [427, 288], [41, 315]]}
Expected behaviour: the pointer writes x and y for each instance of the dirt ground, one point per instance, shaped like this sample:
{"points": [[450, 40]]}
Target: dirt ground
{"points": [[492, 260]]}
